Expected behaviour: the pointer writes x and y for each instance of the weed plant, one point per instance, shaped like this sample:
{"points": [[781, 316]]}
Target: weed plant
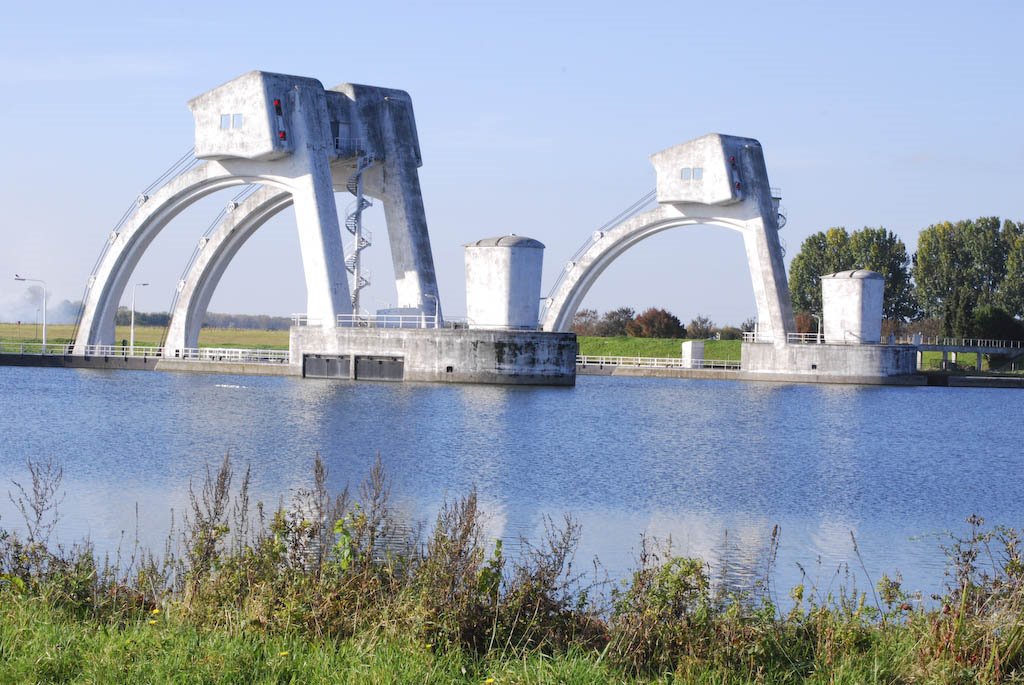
{"points": [[336, 587]]}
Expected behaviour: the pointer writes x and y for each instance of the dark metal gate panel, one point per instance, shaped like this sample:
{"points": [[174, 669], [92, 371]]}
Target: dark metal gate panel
{"points": [[380, 368], [320, 366]]}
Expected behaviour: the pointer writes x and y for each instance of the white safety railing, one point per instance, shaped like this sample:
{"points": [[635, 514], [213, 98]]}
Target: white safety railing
{"points": [[758, 337], [954, 342], [24, 347], [207, 354], [657, 362], [387, 321], [805, 338], [230, 354], [373, 320], [916, 340]]}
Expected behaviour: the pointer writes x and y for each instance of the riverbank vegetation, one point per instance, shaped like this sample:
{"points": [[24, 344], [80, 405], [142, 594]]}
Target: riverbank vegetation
{"points": [[336, 588]]}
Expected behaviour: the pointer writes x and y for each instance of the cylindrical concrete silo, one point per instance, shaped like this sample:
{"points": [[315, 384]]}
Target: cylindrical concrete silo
{"points": [[852, 306], [503, 282]]}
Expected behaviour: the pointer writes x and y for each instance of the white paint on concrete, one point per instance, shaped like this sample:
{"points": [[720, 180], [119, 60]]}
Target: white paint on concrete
{"points": [[715, 180], [693, 354], [503, 277], [289, 133], [852, 306]]}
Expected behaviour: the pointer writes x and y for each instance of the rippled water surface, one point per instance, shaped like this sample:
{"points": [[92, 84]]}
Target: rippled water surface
{"points": [[712, 464]]}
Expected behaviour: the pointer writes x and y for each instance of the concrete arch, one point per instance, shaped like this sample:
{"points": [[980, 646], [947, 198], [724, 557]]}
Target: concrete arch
{"points": [[219, 248], [716, 180], [770, 293], [107, 285]]}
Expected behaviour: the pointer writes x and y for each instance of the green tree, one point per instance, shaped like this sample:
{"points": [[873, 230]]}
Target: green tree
{"points": [[656, 323], [614, 322], [701, 327], [825, 252], [880, 250], [585, 322], [1011, 290], [995, 323], [960, 267], [876, 249]]}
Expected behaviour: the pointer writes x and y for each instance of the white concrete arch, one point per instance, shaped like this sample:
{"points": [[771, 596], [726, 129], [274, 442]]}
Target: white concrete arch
{"points": [[218, 249], [715, 180], [107, 285], [773, 308]]}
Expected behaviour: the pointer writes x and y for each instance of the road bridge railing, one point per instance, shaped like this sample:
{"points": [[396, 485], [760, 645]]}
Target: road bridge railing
{"points": [[658, 362]]}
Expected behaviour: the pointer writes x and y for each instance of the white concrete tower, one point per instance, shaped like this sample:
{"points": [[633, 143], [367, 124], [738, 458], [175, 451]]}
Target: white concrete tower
{"points": [[503, 282]]}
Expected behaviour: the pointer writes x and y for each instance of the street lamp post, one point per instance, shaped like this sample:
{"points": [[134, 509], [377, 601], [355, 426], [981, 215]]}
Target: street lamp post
{"points": [[36, 280], [437, 309], [131, 329]]}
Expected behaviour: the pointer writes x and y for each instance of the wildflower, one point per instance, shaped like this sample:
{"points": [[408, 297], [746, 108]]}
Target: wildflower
{"points": [[155, 612], [488, 681], [285, 653], [152, 622]]}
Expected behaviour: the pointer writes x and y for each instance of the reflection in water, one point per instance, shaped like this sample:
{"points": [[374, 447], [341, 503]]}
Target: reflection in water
{"points": [[711, 465]]}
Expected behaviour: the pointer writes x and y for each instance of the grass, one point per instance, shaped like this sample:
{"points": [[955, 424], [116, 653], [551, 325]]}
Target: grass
{"points": [[150, 336], [39, 643], [624, 346], [329, 589]]}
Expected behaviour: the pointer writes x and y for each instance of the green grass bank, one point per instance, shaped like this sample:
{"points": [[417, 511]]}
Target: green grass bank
{"points": [[334, 587]]}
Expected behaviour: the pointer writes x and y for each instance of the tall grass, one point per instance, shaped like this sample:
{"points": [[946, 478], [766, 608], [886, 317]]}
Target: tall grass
{"points": [[335, 587]]}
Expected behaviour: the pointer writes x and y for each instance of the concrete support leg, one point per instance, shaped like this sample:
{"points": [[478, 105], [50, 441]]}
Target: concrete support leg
{"points": [[323, 257], [411, 256], [920, 360], [977, 363]]}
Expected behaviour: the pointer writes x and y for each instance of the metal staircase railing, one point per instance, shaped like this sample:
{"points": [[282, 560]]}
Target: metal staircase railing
{"points": [[354, 225]]}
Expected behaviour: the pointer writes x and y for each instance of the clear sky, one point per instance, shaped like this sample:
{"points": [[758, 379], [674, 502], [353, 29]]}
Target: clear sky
{"points": [[534, 118]]}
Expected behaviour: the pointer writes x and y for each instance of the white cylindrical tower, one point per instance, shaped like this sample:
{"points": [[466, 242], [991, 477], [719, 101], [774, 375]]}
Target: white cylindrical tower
{"points": [[503, 282], [852, 306]]}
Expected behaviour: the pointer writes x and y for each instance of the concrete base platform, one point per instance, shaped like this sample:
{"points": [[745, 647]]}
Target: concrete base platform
{"points": [[828, 363], [436, 355], [74, 362], [239, 368], [615, 370]]}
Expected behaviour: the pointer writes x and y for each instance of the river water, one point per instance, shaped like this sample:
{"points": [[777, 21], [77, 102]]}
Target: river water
{"points": [[712, 466]]}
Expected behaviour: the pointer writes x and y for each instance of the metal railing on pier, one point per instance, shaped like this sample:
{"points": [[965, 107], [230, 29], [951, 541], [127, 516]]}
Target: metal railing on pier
{"points": [[204, 354], [658, 362], [916, 340], [373, 321]]}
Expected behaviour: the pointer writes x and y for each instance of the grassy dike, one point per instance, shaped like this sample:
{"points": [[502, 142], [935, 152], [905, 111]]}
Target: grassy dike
{"points": [[624, 346], [333, 588], [150, 336]]}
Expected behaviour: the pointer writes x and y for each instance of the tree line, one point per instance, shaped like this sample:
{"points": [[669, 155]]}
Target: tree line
{"points": [[260, 322], [965, 280], [652, 323]]}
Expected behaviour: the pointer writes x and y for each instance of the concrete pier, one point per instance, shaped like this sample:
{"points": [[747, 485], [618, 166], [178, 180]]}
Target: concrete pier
{"points": [[436, 355]]}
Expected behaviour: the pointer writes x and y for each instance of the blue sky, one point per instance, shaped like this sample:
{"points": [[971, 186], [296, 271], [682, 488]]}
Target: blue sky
{"points": [[535, 118]]}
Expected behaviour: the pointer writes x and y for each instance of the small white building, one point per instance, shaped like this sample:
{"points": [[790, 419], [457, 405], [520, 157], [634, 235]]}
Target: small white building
{"points": [[852, 306], [503, 282]]}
